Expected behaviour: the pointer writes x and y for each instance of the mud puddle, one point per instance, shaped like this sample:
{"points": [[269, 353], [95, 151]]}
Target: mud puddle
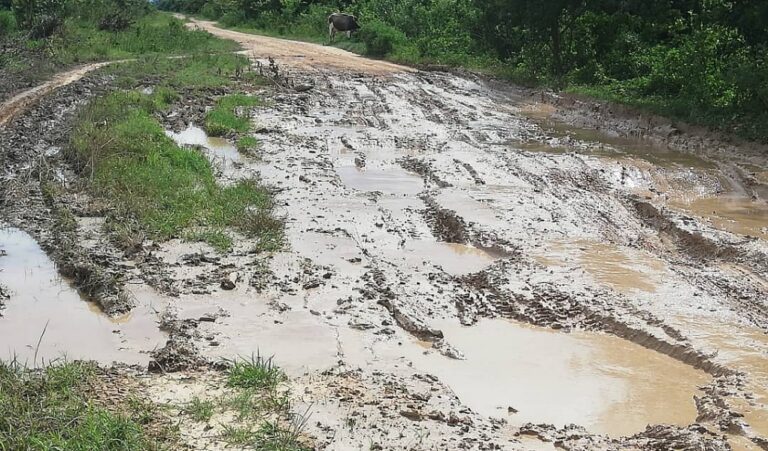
{"points": [[735, 214], [744, 349], [46, 318], [623, 269], [602, 144], [218, 149], [532, 374], [455, 259], [386, 180]]}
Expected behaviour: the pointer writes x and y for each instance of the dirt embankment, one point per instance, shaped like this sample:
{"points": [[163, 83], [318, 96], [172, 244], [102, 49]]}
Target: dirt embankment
{"points": [[424, 207]]}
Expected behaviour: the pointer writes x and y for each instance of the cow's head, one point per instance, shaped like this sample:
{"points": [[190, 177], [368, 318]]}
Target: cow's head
{"points": [[353, 23]]}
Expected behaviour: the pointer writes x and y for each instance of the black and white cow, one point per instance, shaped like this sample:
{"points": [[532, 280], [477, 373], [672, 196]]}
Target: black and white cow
{"points": [[344, 23]]}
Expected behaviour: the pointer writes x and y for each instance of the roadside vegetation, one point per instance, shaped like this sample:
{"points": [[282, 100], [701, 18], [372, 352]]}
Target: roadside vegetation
{"points": [[38, 38], [703, 61], [65, 406], [252, 409], [79, 406], [223, 118], [155, 187]]}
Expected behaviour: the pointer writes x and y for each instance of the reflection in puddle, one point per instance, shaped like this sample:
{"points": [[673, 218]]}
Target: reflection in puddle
{"points": [[45, 308], [196, 136], [624, 269], [389, 181], [601, 382], [731, 213]]}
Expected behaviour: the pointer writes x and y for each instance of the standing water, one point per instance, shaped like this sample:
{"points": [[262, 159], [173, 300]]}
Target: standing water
{"points": [[46, 318]]}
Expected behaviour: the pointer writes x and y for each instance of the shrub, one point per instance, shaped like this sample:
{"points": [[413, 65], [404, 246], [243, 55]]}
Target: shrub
{"points": [[7, 23], [380, 39]]}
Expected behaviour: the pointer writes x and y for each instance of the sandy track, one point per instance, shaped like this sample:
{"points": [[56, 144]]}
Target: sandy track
{"points": [[21, 101], [298, 54]]}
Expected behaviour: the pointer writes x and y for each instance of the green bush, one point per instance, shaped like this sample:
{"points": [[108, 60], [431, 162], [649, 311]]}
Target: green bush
{"points": [[7, 23], [380, 39]]}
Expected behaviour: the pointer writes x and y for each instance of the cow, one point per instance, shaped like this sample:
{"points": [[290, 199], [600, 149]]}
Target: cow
{"points": [[341, 22]]}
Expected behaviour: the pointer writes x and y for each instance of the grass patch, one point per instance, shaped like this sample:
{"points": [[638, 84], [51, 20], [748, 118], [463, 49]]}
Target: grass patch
{"points": [[217, 238], [256, 372], [55, 408], [247, 144], [169, 190], [229, 115], [200, 410], [197, 71], [155, 33]]}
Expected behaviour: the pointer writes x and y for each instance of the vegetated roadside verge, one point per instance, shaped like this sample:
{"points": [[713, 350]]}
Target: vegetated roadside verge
{"points": [[156, 187], [117, 165], [81, 406], [101, 32]]}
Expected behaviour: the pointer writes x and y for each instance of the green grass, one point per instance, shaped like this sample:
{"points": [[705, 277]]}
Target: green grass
{"points": [[247, 144], [200, 410], [156, 33], [224, 117], [219, 239], [197, 71], [256, 372], [170, 190], [55, 408]]}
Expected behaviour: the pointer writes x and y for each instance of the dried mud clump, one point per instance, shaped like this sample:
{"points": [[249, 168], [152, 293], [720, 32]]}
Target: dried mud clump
{"points": [[178, 354]]}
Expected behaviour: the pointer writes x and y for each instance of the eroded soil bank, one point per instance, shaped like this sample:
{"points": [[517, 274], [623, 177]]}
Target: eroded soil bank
{"points": [[462, 269]]}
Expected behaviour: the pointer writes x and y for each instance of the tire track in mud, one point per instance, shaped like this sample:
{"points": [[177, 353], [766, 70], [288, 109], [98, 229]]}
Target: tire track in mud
{"points": [[365, 258]]}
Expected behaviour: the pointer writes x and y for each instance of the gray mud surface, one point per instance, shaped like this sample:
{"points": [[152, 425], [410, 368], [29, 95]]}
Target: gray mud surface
{"points": [[442, 235]]}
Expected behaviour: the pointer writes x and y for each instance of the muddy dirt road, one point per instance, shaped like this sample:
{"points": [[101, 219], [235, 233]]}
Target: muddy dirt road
{"points": [[465, 269]]}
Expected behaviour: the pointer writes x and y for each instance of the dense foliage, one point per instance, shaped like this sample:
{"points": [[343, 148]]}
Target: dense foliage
{"points": [[701, 60]]}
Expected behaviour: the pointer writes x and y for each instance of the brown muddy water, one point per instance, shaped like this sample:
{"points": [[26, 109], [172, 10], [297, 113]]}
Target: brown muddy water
{"points": [[46, 318], [744, 349], [532, 374], [621, 268], [693, 184], [735, 214]]}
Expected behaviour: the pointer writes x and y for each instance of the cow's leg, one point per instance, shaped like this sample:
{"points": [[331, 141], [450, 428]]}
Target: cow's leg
{"points": [[349, 34], [331, 32]]}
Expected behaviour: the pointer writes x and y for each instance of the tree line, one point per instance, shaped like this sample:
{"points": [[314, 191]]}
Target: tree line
{"points": [[701, 60]]}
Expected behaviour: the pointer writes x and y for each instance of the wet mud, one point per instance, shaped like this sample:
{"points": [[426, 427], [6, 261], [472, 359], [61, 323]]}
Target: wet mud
{"points": [[424, 212]]}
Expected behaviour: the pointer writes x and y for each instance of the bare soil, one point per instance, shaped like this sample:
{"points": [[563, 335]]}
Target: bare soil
{"points": [[431, 219]]}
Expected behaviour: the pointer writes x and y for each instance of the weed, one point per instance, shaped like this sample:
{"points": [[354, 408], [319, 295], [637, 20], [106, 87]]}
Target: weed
{"points": [[229, 115], [54, 408], [257, 372], [217, 238], [238, 435], [200, 410], [247, 144]]}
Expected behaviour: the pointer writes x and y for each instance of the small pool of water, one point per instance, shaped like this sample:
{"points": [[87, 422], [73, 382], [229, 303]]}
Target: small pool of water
{"points": [[218, 148], [46, 318], [623, 269], [601, 382], [392, 180]]}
